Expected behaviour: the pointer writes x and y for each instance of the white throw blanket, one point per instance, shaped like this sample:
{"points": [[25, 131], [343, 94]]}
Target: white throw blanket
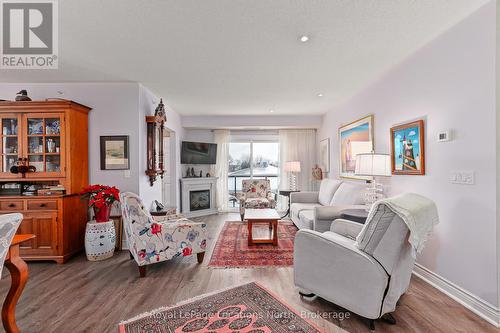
{"points": [[419, 213]]}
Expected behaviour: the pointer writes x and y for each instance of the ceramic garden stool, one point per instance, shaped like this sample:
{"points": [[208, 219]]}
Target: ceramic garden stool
{"points": [[100, 239]]}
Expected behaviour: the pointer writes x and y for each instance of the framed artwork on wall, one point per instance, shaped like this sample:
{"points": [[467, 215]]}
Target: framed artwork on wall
{"points": [[324, 155], [354, 138], [114, 152], [408, 149]]}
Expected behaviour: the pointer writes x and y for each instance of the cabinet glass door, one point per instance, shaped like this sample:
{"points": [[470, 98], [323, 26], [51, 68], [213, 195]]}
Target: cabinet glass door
{"points": [[10, 146], [44, 140]]}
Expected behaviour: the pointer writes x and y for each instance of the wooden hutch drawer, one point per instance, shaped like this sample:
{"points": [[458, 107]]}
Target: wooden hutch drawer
{"points": [[11, 205], [42, 205]]}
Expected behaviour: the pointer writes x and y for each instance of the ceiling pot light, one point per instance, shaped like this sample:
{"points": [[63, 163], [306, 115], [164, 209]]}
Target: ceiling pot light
{"points": [[304, 38], [271, 110], [320, 95]]}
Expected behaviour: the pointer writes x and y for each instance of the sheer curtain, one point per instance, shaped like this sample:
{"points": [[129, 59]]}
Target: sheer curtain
{"points": [[221, 169], [298, 145]]}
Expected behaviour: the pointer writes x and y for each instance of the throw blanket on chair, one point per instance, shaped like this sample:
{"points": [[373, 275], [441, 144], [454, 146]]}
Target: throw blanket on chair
{"points": [[419, 213]]}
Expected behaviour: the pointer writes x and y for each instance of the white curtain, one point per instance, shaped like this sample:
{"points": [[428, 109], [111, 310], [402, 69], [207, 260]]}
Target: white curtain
{"points": [[221, 169], [298, 145]]}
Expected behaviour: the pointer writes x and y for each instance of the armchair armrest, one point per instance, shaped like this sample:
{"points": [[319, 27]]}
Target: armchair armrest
{"points": [[304, 197], [272, 200], [324, 216], [346, 228]]}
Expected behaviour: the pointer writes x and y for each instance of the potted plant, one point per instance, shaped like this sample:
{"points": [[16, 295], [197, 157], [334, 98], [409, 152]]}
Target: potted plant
{"points": [[101, 198], [100, 235]]}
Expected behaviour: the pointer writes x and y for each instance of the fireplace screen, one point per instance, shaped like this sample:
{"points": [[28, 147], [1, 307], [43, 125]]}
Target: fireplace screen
{"points": [[199, 200]]}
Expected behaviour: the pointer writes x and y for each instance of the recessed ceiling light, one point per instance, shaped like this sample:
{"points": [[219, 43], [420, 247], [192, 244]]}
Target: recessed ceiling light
{"points": [[271, 110], [304, 38], [320, 95]]}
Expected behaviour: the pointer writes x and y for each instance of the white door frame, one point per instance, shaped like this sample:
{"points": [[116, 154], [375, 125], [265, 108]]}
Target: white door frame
{"points": [[169, 182]]}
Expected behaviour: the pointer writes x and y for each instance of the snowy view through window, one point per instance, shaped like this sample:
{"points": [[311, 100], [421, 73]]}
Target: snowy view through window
{"points": [[257, 160]]}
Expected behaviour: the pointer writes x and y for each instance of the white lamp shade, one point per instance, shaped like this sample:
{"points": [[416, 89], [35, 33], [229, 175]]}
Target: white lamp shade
{"points": [[293, 166], [373, 165]]}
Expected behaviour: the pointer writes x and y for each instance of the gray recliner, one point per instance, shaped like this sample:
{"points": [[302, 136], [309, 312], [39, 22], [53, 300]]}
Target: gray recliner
{"points": [[366, 278]]}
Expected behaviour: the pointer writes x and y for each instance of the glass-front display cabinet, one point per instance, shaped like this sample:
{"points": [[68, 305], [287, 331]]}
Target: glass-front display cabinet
{"points": [[36, 139], [43, 168]]}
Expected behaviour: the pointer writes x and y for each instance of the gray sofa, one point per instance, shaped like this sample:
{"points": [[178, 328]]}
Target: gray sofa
{"points": [[317, 210]]}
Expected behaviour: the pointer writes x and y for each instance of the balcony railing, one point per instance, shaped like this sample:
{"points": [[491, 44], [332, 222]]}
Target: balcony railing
{"points": [[235, 186]]}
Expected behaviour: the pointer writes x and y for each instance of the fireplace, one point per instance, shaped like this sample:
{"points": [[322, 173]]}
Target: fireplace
{"points": [[199, 200], [198, 196]]}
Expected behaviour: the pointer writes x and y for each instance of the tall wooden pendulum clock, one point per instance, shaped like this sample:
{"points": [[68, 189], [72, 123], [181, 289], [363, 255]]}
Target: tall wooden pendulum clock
{"points": [[155, 128]]}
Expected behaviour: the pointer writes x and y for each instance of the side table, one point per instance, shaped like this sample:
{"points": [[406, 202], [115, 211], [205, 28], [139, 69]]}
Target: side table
{"points": [[286, 193], [357, 215]]}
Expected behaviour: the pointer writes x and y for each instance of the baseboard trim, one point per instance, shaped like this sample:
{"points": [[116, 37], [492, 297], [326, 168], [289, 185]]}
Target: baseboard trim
{"points": [[482, 308]]}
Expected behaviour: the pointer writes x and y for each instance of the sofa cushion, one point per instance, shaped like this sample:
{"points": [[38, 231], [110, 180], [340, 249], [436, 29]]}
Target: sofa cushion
{"points": [[327, 189], [297, 207], [348, 194], [306, 218]]}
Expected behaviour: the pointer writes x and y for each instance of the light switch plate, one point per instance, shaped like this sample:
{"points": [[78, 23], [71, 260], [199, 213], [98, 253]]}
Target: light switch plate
{"points": [[462, 177], [126, 173]]}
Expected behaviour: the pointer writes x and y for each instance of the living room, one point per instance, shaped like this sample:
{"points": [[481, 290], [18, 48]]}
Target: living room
{"points": [[225, 166]]}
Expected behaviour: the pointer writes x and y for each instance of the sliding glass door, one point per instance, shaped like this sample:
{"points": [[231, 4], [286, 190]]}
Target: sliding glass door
{"points": [[252, 160]]}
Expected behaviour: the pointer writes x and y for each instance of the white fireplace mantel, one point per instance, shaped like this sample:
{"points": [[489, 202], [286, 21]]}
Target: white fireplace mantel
{"points": [[197, 184]]}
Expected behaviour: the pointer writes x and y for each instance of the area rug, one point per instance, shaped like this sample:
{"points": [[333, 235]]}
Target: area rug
{"points": [[232, 250], [249, 308]]}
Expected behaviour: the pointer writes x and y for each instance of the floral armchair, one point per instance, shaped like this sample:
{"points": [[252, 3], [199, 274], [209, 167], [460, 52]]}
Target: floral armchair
{"points": [[154, 240], [256, 193]]}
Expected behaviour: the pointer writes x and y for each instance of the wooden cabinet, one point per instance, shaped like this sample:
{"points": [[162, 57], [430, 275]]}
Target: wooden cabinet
{"points": [[53, 136]]}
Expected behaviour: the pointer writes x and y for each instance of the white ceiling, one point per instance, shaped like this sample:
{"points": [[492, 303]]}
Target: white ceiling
{"points": [[243, 57]]}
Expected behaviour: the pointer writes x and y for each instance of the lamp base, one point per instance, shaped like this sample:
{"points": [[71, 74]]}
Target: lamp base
{"points": [[374, 192], [292, 182]]}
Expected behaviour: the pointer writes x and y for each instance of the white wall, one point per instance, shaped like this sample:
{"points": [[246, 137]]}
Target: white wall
{"points": [[114, 112], [199, 135], [498, 144], [451, 84], [147, 105], [117, 109]]}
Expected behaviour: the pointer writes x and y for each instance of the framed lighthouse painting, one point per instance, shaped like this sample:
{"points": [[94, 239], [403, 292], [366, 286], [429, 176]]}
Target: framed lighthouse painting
{"points": [[407, 149]]}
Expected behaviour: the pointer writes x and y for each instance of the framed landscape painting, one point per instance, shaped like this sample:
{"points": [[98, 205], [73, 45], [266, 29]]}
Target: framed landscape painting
{"points": [[324, 154], [407, 149], [114, 152], [354, 138]]}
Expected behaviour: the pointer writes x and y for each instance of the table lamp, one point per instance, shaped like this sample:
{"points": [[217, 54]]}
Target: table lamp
{"points": [[292, 167], [373, 165]]}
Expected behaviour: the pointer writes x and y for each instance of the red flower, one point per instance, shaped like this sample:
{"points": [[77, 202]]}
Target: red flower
{"points": [[155, 228], [187, 251], [100, 195]]}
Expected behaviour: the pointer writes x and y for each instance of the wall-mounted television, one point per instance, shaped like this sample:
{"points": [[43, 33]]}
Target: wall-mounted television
{"points": [[198, 153]]}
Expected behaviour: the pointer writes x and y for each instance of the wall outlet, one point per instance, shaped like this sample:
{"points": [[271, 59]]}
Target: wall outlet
{"points": [[462, 177], [126, 173]]}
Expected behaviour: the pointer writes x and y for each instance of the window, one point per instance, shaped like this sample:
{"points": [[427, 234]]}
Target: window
{"points": [[252, 160]]}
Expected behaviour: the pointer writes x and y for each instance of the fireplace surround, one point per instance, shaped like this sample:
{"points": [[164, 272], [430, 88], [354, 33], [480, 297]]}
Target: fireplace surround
{"points": [[198, 196]]}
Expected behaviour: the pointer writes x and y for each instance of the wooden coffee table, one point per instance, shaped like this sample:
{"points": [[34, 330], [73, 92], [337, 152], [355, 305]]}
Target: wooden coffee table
{"points": [[260, 216]]}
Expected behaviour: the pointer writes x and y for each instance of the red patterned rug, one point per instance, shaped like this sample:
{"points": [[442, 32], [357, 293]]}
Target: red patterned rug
{"points": [[245, 309], [232, 250]]}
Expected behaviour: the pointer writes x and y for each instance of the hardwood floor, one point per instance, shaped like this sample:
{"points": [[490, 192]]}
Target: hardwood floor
{"points": [[83, 296]]}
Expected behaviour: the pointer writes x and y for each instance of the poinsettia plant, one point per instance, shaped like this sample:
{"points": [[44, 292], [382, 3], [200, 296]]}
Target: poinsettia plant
{"points": [[101, 197]]}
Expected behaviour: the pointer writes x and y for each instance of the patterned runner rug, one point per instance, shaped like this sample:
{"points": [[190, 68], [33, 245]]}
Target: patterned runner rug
{"points": [[232, 250], [245, 309]]}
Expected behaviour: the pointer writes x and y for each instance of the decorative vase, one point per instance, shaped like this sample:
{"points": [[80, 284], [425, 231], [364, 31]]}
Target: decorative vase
{"points": [[102, 214], [100, 240]]}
